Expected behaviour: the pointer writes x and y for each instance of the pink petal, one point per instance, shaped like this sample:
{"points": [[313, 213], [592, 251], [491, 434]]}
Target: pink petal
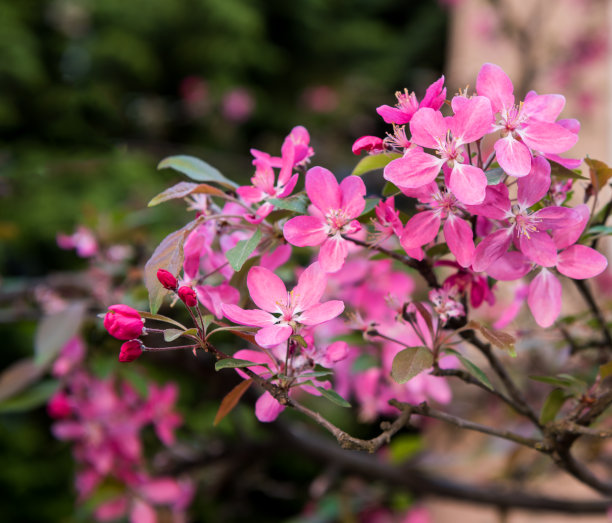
{"points": [[250, 194], [460, 239], [493, 83], [333, 253], [580, 262], [421, 229], [532, 188], [274, 259], [368, 144], [512, 156], [435, 95], [428, 127], [322, 312], [544, 298], [555, 217], [322, 189], [257, 357], [273, 335], [289, 187], [545, 107], [213, 297], [288, 156], [250, 317], [303, 231], [310, 287], [568, 235], [353, 190], [473, 120], [539, 248], [548, 137], [509, 267], [266, 289], [394, 115], [336, 352], [491, 248], [267, 408], [142, 512], [570, 163], [163, 491], [496, 204], [413, 170], [468, 184]]}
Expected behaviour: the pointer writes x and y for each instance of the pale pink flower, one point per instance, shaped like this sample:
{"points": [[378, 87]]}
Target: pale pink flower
{"points": [[282, 313], [335, 207], [447, 136], [528, 126]]}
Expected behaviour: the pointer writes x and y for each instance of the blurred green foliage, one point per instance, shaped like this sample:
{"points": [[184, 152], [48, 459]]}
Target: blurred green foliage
{"points": [[93, 94]]}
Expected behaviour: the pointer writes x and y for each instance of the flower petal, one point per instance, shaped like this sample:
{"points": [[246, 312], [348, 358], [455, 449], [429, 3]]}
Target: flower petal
{"points": [[427, 127], [421, 229], [460, 239], [512, 156], [509, 267], [352, 191], [568, 235], [548, 137], [472, 120], [544, 298], [322, 312], [413, 170], [323, 189], [333, 253], [267, 408], [580, 262], [303, 231], [310, 287], [539, 248], [532, 188], [493, 83], [468, 184], [250, 317], [266, 289], [491, 248], [273, 335]]}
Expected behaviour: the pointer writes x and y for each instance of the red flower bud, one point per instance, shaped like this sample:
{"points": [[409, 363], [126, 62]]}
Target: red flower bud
{"points": [[188, 296], [130, 350], [167, 279], [59, 406], [123, 322]]}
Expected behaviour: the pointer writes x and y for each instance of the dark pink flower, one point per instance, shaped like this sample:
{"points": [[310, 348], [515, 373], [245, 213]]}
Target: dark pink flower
{"points": [[130, 351], [123, 322], [167, 279], [188, 296]]}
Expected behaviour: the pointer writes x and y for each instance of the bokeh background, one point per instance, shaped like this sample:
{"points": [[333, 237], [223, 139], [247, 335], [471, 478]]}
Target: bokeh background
{"points": [[93, 94]]}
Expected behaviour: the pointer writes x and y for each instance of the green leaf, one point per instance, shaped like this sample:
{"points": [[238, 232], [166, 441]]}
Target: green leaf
{"points": [[373, 162], [389, 189], [369, 206], [237, 255], [31, 398], [472, 368], [300, 340], [315, 374], [602, 230], [494, 176], [552, 380], [55, 330], [297, 203], [169, 256], [173, 334], [410, 362], [182, 189], [160, 317], [365, 362], [404, 447], [438, 250], [234, 363], [196, 169], [552, 405], [334, 397], [557, 170]]}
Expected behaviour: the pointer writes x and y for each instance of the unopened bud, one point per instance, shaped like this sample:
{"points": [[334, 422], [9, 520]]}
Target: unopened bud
{"points": [[188, 296], [167, 279], [130, 351], [123, 322]]}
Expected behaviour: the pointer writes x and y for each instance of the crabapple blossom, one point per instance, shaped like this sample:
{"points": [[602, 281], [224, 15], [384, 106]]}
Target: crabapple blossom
{"points": [[123, 322]]}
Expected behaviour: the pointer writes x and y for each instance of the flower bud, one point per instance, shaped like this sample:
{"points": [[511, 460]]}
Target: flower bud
{"points": [[59, 406], [123, 322], [167, 279], [188, 296], [130, 350]]}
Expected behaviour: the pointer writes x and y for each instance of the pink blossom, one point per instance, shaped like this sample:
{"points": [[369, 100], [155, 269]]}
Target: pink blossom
{"points": [[280, 313], [472, 120], [528, 126], [123, 322], [83, 240], [335, 208], [238, 104], [407, 103], [370, 144]]}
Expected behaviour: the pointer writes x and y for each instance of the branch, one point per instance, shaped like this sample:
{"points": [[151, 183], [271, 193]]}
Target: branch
{"points": [[423, 266], [588, 297]]}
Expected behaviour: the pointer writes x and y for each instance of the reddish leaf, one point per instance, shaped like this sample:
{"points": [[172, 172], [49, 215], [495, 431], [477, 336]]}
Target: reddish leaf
{"points": [[499, 339], [599, 172], [18, 376], [182, 189], [231, 400]]}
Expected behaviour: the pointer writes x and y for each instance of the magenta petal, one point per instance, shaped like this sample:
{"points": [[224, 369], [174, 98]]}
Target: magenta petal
{"points": [[322, 189], [267, 408], [333, 253], [266, 289], [393, 115], [368, 144], [273, 335], [544, 298], [580, 262], [512, 156], [545, 107], [250, 317], [427, 127], [468, 184], [473, 120], [532, 188], [539, 248], [250, 194], [493, 83], [310, 287], [353, 191], [566, 236], [322, 312], [509, 267], [555, 217], [289, 187], [434, 95], [413, 170], [303, 231], [548, 137], [460, 239], [496, 204], [491, 248], [422, 228]]}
